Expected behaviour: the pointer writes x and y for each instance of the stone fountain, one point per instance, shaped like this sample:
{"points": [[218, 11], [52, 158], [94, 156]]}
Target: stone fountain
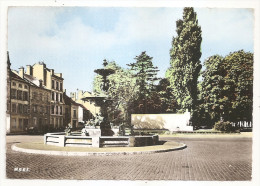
{"points": [[102, 101]]}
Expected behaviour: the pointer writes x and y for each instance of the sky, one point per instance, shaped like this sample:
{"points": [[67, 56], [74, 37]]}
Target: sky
{"points": [[74, 41]]}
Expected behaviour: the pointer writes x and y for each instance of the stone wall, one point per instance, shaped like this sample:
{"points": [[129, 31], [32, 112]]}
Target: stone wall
{"points": [[172, 122], [60, 139]]}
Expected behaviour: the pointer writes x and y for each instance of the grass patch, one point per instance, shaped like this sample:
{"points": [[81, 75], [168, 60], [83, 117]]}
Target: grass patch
{"points": [[41, 146]]}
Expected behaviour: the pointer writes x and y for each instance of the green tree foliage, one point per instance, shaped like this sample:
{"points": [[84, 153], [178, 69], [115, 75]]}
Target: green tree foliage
{"points": [[237, 94], [227, 88], [185, 61], [145, 75], [211, 90], [167, 100], [122, 90]]}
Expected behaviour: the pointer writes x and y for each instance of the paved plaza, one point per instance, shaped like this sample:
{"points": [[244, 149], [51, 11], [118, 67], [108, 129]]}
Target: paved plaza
{"points": [[218, 159]]}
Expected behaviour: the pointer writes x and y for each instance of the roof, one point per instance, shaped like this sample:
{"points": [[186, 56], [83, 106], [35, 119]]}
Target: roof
{"points": [[17, 77], [69, 101], [27, 79]]}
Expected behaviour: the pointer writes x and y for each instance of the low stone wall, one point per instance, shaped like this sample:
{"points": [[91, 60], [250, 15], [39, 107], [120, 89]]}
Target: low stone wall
{"points": [[59, 139], [172, 122]]}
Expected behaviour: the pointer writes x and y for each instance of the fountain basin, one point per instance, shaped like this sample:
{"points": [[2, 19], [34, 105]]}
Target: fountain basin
{"points": [[60, 139]]}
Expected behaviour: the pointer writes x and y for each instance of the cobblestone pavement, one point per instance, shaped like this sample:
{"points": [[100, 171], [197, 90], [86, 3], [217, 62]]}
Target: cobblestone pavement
{"points": [[221, 159]]}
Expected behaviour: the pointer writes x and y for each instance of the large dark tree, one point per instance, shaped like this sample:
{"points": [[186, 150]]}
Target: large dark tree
{"points": [[238, 86], [167, 100], [227, 88], [185, 61], [145, 74], [212, 90]]}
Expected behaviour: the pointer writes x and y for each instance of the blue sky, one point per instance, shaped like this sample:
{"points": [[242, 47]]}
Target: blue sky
{"points": [[75, 40]]}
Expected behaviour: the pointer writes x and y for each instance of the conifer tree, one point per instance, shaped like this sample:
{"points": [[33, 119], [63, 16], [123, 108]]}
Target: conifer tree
{"points": [[185, 61], [145, 74]]}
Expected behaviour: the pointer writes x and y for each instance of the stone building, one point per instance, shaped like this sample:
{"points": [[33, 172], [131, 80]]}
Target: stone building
{"points": [[53, 82], [39, 105], [75, 113], [77, 97], [20, 104]]}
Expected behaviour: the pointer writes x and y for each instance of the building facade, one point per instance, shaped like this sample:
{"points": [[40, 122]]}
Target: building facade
{"points": [[53, 82], [75, 114], [77, 97], [20, 104], [39, 105]]}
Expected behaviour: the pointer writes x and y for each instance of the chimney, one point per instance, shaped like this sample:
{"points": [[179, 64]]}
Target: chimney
{"points": [[21, 72], [52, 71], [58, 74], [80, 94], [8, 61], [29, 70], [40, 83]]}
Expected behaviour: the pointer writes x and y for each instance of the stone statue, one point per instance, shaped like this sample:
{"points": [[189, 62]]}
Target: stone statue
{"points": [[68, 130]]}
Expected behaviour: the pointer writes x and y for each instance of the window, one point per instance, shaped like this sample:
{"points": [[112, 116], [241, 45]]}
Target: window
{"points": [[20, 86], [61, 110], [57, 97], [20, 108], [14, 108], [25, 86], [35, 121], [20, 123], [13, 93], [61, 123], [19, 95], [74, 113], [52, 121], [52, 109], [52, 96], [13, 123], [47, 110], [7, 107], [14, 84], [57, 110], [52, 84], [25, 96], [35, 95], [40, 109], [57, 85], [25, 124], [25, 108], [61, 86], [57, 122], [60, 97]]}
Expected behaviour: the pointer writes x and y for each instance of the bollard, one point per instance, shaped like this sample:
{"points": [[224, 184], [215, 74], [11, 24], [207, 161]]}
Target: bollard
{"points": [[45, 139], [95, 142], [155, 139], [131, 141], [62, 141]]}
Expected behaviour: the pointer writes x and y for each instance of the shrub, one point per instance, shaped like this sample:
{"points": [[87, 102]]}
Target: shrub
{"points": [[224, 126]]}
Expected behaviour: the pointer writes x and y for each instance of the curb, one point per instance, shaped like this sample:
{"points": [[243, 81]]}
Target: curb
{"points": [[66, 153]]}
